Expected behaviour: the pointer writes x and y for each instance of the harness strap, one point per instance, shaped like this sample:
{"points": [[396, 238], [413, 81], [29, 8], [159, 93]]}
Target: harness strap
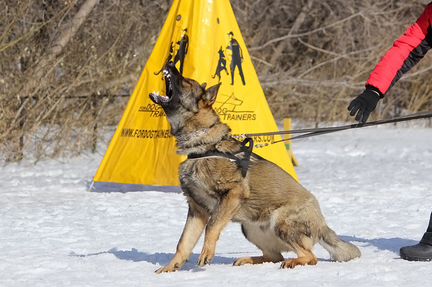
{"points": [[242, 163]]}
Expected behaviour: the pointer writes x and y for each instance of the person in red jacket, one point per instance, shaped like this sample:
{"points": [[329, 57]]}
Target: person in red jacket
{"points": [[406, 52]]}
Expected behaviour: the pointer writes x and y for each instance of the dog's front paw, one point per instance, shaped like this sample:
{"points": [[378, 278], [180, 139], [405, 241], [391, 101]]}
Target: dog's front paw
{"points": [[206, 256]]}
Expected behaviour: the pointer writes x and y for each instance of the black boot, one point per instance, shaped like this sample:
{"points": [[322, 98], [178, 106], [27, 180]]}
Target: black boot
{"points": [[421, 251]]}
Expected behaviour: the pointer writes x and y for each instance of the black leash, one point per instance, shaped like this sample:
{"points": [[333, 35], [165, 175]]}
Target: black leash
{"points": [[248, 143], [320, 131]]}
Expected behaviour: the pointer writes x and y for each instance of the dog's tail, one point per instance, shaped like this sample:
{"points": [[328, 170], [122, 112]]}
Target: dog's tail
{"points": [[339, 250]]}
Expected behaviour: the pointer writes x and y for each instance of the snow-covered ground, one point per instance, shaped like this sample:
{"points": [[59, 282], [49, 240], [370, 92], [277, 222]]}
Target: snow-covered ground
{"points": [[374, 186]]}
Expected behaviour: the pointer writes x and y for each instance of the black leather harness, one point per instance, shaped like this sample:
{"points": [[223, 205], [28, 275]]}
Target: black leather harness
{"points": [[242, 162]]}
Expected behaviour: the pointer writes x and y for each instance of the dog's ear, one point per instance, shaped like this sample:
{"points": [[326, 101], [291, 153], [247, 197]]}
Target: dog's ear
{"points": [[211, 94]]}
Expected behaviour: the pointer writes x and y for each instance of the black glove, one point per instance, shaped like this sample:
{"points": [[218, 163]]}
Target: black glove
{"points": [[364, 104]]}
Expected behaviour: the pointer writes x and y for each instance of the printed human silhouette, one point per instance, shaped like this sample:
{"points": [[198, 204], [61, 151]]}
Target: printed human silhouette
{"points": [[169, 58], [221, 65], [183, 46], [236, 58]]}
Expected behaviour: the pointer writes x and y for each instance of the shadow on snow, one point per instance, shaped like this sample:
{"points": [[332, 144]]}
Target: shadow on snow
{"points": [[386, 244], [162, 259]]}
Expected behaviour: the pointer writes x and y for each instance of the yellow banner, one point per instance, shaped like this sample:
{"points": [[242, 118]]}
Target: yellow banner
{"points": [[203, 39]]}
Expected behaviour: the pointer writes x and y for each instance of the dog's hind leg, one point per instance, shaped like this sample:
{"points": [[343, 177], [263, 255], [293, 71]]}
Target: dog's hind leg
{"points": [[305, 257], [264, 239], [195, 223], [259, 259], [298, 236], [219, 218]]}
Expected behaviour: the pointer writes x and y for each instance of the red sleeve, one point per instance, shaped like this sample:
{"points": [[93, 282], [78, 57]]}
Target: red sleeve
{"points": [[407, 51]]}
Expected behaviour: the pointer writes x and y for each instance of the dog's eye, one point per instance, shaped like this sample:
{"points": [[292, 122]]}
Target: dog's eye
{"points": [[201, 92]]}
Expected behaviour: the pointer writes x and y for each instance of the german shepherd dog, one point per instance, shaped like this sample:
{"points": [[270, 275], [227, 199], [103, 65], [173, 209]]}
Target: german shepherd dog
{"points": [[276, 213]]}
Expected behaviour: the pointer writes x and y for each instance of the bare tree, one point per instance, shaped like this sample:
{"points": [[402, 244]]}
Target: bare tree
{"points": [[68, 67]]}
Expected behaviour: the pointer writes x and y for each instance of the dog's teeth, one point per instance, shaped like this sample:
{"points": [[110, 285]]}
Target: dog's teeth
{"points": [[165, 98]]}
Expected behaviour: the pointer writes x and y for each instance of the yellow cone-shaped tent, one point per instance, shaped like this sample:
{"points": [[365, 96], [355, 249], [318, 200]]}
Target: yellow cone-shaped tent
{"points": [[203, 39]]}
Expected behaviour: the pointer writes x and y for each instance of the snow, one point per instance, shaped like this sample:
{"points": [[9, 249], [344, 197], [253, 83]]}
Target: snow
{"points": [[373, 185]]}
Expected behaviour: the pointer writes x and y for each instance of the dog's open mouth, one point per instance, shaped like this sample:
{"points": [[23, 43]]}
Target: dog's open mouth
{"points": [[164, 99]]}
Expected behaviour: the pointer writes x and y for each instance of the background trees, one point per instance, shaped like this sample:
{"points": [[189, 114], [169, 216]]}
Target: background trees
{"points": [[67, 65]]}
